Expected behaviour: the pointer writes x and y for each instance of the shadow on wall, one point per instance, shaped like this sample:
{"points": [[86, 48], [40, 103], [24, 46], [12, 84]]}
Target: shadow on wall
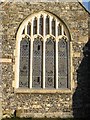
{"points": [[81, 97]]}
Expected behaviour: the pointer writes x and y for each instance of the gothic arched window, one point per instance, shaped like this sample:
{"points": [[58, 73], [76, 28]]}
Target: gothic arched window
{"points": [[43, 53]]}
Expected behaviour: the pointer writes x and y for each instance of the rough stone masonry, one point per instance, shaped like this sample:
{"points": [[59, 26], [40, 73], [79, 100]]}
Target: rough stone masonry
{"points": [[52, 105]]}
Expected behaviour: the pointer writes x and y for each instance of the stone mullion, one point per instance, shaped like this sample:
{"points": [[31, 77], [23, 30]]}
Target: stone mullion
{"points": [[56, 53], [50, 23], [56, 62], [56, 28], [25, 29], [71, 68], [38, 19], [62, 30], [17, 62], [44, 64], [44, 32], [31, 54], [44, 26]]}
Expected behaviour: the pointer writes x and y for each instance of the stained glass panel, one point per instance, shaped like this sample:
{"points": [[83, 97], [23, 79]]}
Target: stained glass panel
{"points": [[50, 46], [59, 30], [50, 63], [29, 29], [62, 64], [62, 82], [37, 63], [53, 27], [41, 25], [47, 25], [24, 63], [35, 26]]}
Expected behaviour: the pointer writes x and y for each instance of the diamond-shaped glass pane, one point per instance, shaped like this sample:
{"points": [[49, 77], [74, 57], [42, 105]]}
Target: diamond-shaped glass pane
{"points": [[50, 66], [37, 66], [36, 82], [62, 82], [49, 81], [24, 63], [50, 47], [62, 66]]}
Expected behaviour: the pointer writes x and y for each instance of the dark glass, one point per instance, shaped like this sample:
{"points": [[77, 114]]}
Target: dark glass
{"points": [[35, 26], [53, 27], [59, 30], [41, 25], [47, 25], [24, 63], [29, 29]]}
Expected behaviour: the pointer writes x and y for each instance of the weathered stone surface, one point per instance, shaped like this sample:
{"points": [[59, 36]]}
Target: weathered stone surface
{"points": [[43, 105]]}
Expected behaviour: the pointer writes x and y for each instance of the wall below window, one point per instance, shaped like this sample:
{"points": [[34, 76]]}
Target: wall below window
{"points": [[45, 104]]}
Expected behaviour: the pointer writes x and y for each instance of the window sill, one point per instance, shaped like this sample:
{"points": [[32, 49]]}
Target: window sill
{"points": [[26, 90]]}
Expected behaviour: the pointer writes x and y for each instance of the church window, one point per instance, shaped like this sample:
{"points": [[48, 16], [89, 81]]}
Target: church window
{"points": [[43, 53]]}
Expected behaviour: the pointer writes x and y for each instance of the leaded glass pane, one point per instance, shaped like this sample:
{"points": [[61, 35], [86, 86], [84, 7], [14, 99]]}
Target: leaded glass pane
{"points": [[50, 66], [62, 64], [47, 25], [41, 25], [50, 63], [37, 63], [62, 82], [59, 30], [50, 46], [53, 27], [35, 26], [29, 29], [24, 63]]}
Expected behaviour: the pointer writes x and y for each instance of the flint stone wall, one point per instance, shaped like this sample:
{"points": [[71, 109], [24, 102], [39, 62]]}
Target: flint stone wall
{"points": [[46, 104]]}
